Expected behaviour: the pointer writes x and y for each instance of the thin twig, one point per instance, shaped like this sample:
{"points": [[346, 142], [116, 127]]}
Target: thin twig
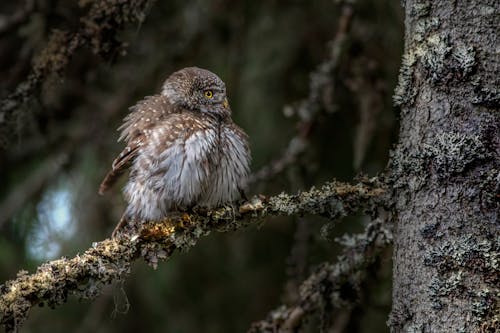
{"points": [[308, 109], [98, 30], [325, 284]]}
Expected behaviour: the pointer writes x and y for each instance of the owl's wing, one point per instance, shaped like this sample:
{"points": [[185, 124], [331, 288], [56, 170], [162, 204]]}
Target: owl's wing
{"points": [[121, 164], [143, 115]]}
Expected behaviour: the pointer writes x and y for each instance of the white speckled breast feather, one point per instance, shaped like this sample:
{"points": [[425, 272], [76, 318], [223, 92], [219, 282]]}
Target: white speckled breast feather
{"points": [[199, 163]]}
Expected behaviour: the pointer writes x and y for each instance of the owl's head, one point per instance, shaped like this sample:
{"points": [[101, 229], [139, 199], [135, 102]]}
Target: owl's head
{"points": [[197, 89]]}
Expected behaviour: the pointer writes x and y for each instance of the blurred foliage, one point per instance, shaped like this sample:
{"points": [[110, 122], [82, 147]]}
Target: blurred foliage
{"points": [[264, 51]]}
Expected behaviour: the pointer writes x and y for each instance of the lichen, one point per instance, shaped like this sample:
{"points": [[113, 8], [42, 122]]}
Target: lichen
{"points": [[404, 163], [329, 201], [335, 285], [421, 8], [109, 261], [441, 288], [418, 45], [486, 96], [465, 59], [403, 94], [452, 152], [433, 56], [485, 305], [441, 59], [468, 253]]}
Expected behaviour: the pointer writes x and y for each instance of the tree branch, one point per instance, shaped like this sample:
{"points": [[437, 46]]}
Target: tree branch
{"points": [[321, 84], [109, 261], [325, 288], [98, 30]]}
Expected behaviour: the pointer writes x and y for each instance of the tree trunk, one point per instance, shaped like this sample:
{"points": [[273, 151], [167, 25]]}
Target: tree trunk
{"points": [[445, 170]]}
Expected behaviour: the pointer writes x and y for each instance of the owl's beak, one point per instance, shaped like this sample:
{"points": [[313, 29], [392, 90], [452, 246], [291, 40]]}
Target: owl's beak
{"points": [[225, 104]]}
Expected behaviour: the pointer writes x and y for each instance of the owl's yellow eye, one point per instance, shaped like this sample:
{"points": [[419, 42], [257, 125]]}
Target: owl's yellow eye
{"points": [[209, 94]]}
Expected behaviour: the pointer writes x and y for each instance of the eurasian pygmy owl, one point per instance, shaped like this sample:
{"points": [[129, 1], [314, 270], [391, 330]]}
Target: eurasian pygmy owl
{"points": [[183, 149]]}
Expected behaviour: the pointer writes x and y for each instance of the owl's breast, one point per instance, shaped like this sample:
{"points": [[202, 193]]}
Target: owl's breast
{"points": [[231, 169], [173, 168], [183, 166]]}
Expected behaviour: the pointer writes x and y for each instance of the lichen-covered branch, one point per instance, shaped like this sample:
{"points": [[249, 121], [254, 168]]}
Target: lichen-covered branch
{"points": [[98, 30], [109, 261], [322, 290]]}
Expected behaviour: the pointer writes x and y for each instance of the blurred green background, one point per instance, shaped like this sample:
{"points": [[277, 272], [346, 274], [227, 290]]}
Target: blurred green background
{"points": [[56, 151]]}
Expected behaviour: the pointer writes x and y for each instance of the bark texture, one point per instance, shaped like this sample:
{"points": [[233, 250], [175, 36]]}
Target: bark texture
{"points": [[446, 170]]}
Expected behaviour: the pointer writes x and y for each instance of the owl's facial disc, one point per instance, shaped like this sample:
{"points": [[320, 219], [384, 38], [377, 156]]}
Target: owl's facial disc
{"points": [[215, 102], [198, 89]]}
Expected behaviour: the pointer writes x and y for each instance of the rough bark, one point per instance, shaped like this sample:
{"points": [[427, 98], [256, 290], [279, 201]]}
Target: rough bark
{"points": [[446, 170]]}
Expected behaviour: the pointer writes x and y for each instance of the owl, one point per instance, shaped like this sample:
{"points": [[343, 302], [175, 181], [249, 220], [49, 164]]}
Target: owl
{"points": [[182, 149]]}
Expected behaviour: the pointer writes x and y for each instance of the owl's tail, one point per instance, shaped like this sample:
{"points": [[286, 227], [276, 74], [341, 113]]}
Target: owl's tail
{"points": [[120, 165], [110, 180]]}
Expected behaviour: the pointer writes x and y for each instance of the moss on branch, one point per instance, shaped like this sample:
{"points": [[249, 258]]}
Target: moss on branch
{"points": [[109, 261], [325, 288]]}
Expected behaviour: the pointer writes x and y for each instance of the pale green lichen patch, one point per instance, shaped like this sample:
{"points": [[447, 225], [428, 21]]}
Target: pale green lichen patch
{"points": [[464, 59], [406, 162], [441, 59], [479, 257], [433, 54], [479, 260], [418, 44], [421, 8], [403, 94], [445, 61], [452, 152], [423, 33], [441, 288], [486, 304]]}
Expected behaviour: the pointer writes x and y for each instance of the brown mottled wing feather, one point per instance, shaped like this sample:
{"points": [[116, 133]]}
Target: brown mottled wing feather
{"points": [[120, 165], [142, 116]]}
